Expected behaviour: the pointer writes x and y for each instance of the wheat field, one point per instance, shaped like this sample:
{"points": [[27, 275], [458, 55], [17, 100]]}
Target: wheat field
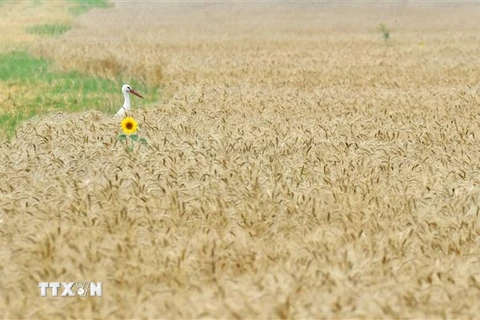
{"points": [[298, 166]]}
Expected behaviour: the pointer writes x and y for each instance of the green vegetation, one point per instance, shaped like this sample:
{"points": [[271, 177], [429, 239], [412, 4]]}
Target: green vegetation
{"points": [[85, 5], [385, 32], [49, 29], [67, 91], [21, 66]]}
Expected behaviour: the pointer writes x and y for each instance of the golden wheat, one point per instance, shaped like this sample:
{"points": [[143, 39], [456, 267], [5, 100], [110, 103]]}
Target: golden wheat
{"points": [[297, 167]]}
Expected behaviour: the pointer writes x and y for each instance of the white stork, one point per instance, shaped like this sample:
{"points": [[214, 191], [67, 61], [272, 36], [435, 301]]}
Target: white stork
{"points": [[126, 90]]}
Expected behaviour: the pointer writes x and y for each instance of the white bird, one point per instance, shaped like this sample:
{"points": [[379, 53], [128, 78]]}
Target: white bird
{"points": [[126, 89]]}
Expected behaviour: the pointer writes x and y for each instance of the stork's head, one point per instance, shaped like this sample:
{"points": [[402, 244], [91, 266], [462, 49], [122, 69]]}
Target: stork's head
{"points": [[126, 88]]}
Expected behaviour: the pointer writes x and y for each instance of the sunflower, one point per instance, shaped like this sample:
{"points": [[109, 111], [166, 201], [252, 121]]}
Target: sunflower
{"points": [[129, 125]]}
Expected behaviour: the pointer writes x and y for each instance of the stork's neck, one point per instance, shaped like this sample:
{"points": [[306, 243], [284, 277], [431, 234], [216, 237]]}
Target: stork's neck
{"points": [[126, 102]]}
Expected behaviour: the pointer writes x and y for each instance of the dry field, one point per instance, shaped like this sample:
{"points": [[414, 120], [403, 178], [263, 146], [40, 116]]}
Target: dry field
{"points": [[15, 16], [298, 166]]}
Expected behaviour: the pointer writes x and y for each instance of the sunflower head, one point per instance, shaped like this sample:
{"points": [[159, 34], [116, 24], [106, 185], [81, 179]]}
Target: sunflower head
{"points": [[129, 125]]}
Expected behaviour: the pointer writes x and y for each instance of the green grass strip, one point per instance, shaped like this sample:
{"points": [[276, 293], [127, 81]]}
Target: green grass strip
{"points": [[49, 29], [83, 6], [20, 66]]}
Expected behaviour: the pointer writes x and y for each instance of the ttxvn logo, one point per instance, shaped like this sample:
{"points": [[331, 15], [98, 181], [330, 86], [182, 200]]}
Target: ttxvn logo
{"points": [[71, 289]]}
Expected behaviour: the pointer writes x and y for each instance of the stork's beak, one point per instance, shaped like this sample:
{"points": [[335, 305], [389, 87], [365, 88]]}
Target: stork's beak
{"points": [[136, 93]]}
